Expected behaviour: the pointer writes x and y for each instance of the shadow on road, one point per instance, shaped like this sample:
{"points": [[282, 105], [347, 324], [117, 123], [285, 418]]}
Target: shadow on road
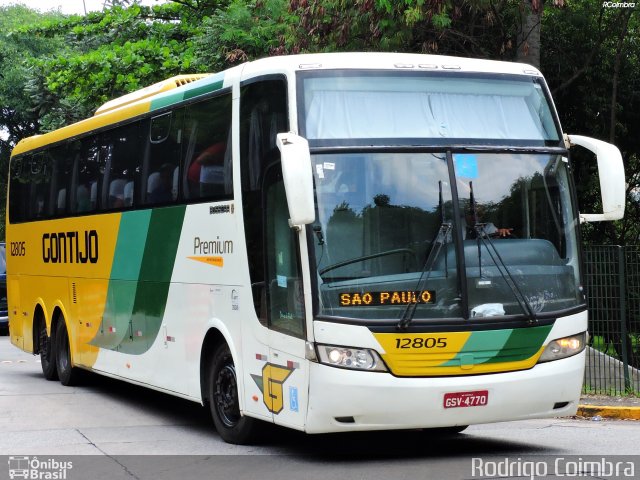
{"points": [[350, 447]]}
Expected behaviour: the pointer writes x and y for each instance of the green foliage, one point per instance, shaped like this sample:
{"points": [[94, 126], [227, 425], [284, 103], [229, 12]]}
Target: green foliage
{"points": [[102, 62], [242, 31], [17, 119], [580, 44], [482, 28]]}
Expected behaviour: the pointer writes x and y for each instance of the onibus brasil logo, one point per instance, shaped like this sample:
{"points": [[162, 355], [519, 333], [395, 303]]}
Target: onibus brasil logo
{"points": [[36, 469]]}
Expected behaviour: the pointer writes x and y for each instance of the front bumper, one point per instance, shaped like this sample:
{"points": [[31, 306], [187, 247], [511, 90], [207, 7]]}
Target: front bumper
{"points": [[346, 400]]}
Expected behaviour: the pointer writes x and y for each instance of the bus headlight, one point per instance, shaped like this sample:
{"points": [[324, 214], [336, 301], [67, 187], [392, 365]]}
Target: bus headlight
{"points": [[352, 358], [564, 347]]}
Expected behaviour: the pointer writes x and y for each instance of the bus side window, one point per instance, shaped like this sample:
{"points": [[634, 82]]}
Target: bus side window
{"points": [[122, 167], [88, 172], [208, 162], [284, 282], [19, 190], [163, 144], [40, 198], [263, 114], [62, 161]]}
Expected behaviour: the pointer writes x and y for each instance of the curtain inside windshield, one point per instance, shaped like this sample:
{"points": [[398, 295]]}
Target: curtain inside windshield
{"points": [[341, 107]]}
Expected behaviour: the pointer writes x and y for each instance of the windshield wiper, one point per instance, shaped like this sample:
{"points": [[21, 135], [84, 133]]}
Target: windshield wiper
{"points": [[439, 240], [503, 270], [506, 275]]}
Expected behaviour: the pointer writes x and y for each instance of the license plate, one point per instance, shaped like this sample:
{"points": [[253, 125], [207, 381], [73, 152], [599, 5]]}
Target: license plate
{"points": [[477, 398]]}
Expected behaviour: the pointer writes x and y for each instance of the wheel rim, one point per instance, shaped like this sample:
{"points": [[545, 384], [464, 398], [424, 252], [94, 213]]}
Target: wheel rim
{"points": [[225, 396]]}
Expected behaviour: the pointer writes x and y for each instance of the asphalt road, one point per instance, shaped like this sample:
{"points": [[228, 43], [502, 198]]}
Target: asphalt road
{"points": [[116, 425]]}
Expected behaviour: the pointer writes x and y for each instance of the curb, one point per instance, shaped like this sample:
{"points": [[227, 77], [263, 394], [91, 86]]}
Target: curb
{"points": [[619, 413]]}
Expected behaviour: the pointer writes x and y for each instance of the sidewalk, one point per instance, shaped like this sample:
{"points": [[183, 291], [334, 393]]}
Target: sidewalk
{"points": [[621, 408]]}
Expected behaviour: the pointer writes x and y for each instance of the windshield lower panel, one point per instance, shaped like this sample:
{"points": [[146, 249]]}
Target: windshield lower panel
{"points": [[387, 237]]}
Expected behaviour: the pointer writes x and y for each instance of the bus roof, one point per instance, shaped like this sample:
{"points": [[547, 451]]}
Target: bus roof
{"points": [[184, 87], [384, 61]]}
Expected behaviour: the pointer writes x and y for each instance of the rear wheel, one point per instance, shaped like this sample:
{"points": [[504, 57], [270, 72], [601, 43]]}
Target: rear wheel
{"points": [[67, 373], [47, 352], [232, 426]]}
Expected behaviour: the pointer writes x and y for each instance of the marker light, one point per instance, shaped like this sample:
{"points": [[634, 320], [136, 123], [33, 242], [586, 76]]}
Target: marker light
{"points": [[352, 358], [563, 348]]}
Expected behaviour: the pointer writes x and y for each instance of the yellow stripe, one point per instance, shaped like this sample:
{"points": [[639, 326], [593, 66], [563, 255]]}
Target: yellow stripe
{"points": [[50, 284], [413, 354], [83, 126], [422, 354]]}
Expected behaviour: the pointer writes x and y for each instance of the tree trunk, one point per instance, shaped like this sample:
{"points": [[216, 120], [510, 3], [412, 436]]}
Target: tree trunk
{"points": [[626, 15], [529, 36]]}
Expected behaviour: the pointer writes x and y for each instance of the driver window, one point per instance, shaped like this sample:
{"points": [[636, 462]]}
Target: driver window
{"points": [[284, 282]]}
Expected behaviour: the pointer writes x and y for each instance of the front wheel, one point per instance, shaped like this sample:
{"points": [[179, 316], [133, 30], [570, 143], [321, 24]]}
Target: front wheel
{"points": [[67, 373], [232, 426]]}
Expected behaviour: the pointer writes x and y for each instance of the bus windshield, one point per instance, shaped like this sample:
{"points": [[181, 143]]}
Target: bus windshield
{"points": [[425, 108], [380, 218]]}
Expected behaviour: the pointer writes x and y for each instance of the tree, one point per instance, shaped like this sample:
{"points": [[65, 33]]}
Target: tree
{"points": [[102, 62], [17, 120], [591, 61], [241, 31]]}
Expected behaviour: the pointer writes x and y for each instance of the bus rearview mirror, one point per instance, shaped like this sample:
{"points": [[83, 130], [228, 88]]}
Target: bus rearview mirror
{"points": [[611, 174], [297, 174]]}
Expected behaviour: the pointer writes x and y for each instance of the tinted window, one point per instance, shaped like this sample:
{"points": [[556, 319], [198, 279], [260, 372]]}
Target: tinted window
{"points": [[41, 204], [89, 170], [284, 282], [121, 168], [63, 160], [161, 169], [3, 259], [19, 189], [184, 154], [208, 173], [263, 114]]}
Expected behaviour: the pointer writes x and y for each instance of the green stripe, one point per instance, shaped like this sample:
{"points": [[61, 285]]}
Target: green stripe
{"points": [[500, 346], [166, 100], [155, 277], [132, 237], [123, 283], [202, 90], [523, 343], [140, 278], [191, 90]]}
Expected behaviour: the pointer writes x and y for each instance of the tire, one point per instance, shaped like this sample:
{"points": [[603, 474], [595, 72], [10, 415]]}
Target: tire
{"points": [[231, 425], [67, 373], [46, 346]]}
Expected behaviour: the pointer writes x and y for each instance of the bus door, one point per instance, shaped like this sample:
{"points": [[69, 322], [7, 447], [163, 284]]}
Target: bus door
{"points": [[285, 376]]}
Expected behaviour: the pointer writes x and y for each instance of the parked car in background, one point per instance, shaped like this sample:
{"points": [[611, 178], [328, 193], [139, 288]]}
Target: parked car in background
{"points": [[4, 316]]}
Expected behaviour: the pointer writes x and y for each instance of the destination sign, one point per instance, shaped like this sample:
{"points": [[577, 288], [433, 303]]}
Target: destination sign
{"points": [[387, 297]]}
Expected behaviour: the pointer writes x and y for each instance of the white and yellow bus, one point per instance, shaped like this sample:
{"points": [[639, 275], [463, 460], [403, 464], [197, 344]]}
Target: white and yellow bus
{"points": [[331, 242]]}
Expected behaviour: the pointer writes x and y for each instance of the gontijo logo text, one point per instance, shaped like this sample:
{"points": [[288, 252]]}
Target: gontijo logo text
{"points": [[70, 247]]}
